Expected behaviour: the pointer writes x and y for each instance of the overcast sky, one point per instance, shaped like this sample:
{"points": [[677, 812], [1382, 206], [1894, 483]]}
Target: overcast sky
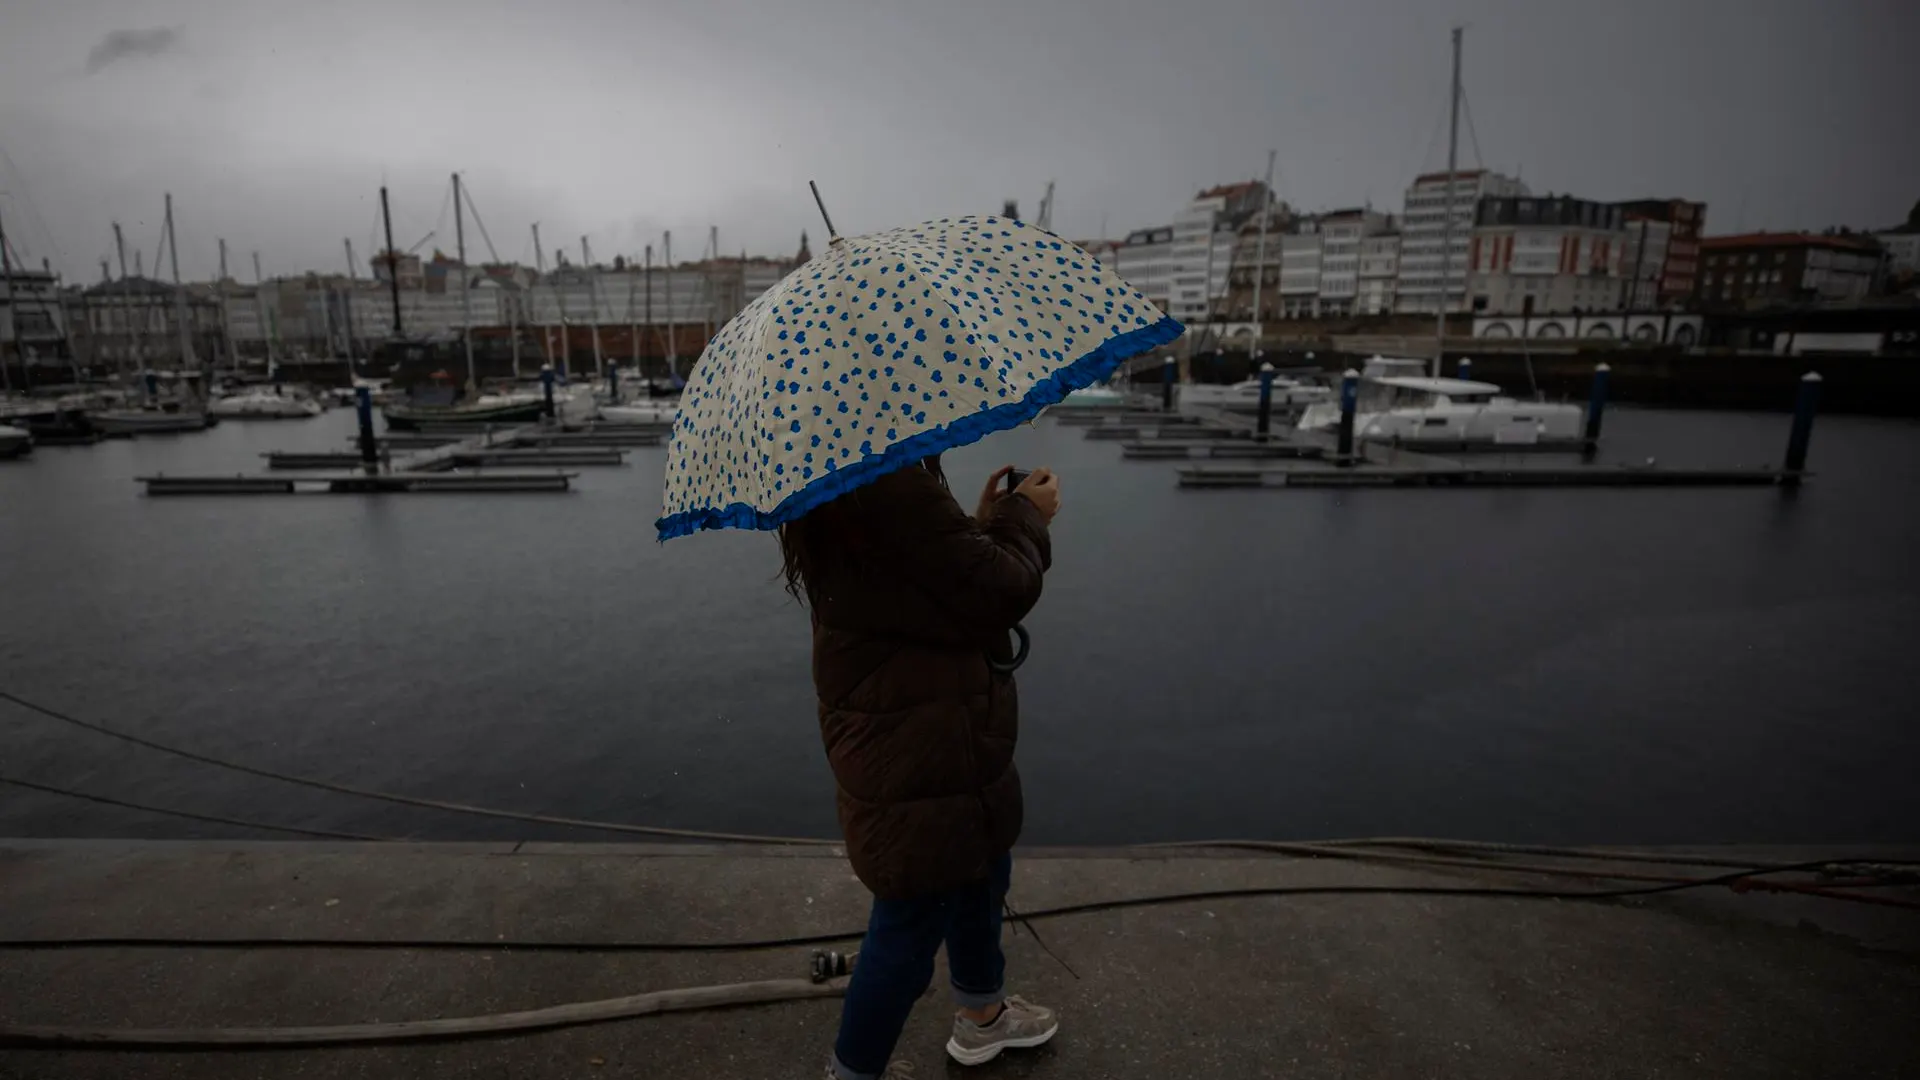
{"points": [[274, 124]]}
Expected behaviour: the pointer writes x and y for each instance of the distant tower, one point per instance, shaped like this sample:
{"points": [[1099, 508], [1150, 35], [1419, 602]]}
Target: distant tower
{"points": [[806, 253]]}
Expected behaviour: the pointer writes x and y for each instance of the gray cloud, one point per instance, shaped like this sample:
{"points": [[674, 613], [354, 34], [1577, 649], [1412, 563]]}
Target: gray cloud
{"points": [[279, 134], [117, 45]]}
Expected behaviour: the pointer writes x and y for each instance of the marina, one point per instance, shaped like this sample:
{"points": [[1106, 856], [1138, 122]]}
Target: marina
{"points": [[401, 483], [1450, 433], [1551, 646], [1402, 612], [1454, 475]]}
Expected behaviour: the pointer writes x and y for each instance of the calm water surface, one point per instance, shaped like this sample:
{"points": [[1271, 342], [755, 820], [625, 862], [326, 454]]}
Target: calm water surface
{"points": [[1578, 666]]}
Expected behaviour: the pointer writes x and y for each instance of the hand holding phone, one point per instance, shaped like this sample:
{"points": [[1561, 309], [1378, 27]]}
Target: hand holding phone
{"points": [[1041, 488]]}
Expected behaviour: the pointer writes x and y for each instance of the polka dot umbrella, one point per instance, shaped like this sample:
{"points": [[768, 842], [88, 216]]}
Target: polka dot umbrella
{"points": [[886, 349]]}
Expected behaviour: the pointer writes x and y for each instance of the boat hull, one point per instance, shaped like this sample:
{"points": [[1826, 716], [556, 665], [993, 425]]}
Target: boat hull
{"points": [[14, 443], [410, 417], [1500, 423], [277, 409], [664, 413], [150, 423]]}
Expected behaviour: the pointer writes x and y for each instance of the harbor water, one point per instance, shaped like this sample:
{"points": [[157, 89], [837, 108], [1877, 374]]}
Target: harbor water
{"points": [[1633, 666]]}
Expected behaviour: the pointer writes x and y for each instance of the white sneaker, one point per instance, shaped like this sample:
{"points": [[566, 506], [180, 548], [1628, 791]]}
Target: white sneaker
{"points": [[1019, 1025]]}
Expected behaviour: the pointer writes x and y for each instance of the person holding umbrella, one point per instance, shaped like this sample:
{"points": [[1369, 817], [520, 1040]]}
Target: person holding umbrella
{"points": [[821, 411]]}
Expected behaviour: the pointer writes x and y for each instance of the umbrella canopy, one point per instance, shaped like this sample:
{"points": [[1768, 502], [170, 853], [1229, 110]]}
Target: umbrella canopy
{"points": [[884, 350]]}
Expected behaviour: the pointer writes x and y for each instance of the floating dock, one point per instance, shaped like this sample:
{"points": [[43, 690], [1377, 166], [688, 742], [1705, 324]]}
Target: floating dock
{"points": [[359, 483], [1284, 457], [1179, 450], [433, 464], [1367, 475]]}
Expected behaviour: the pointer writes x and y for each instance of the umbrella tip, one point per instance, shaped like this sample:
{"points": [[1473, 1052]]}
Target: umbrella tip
{"points": [[833, 235]]}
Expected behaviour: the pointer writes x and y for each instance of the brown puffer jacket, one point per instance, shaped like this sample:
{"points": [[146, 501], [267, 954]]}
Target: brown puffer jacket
{"points": [[918, 728]]}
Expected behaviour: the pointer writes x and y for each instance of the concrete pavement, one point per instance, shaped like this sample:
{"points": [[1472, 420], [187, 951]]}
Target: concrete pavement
{"points": [[1304, 986]]}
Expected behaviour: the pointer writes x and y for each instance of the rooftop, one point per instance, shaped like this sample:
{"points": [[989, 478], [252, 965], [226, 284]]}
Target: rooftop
{"points": [[1459, 174], [1793, 239], [1230, 191]]}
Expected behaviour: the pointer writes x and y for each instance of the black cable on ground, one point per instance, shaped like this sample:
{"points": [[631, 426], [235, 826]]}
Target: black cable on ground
{"points": [[202, 1039], [189, 814], [409, 800], [754, 945]]}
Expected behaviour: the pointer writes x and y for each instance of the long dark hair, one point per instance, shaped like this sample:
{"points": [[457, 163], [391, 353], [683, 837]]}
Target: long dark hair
{"points": [[826, 533]]}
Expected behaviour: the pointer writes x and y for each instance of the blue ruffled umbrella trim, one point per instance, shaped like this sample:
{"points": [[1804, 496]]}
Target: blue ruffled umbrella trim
{"points": [[1085, 371]]}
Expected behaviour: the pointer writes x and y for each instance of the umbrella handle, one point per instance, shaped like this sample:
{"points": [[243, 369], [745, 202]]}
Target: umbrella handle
{"points": [[1019, 655]]}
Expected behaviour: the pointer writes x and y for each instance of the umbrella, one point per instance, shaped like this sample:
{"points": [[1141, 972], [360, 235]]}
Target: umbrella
{"points": [[887, 349]]}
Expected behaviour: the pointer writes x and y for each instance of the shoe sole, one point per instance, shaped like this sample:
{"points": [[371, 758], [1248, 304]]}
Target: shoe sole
{"points": [[987, 1053]]}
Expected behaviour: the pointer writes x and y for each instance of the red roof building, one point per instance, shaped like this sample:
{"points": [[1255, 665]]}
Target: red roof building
{"points": [[1756, 269]]}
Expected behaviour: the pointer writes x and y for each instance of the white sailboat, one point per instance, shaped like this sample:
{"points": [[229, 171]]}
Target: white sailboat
{"points": [[157, 417], [652, 410], [1397, 404], [264, 403], [443, 402]]}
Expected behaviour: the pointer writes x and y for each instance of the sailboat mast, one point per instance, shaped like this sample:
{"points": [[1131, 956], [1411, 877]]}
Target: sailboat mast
{"points": [[633, 325], [560, 298], [1259, 258], [593, 297], [713, 257], [393, 263], [13, 317], [540, 271], [513, 322], [647, 283], [466, 286], [226, 321], [265, 311], [353, 286], [179, 292], [126, 307], [1446, 229], [667, 255]]}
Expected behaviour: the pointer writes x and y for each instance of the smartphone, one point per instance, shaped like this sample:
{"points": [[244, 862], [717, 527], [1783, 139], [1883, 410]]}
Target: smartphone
{"points": [[1016, 477]]}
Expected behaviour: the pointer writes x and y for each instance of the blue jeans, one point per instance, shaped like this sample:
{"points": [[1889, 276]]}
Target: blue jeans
{"points": [[895, 966]]}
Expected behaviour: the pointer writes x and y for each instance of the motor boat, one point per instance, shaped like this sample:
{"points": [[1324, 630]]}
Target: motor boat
{"points": [[14, 442], [1418, 408], [1244, 396], [264, 403]]}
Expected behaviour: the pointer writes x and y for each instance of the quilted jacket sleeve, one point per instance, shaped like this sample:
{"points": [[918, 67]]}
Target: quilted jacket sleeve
{"points": [[984, 576]]}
